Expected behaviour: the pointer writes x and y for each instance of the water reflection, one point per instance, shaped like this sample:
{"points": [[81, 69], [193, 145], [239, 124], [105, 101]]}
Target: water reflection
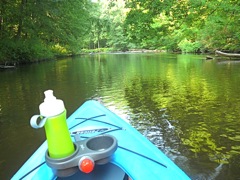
{"points": [[205, 108], [188, 107]]}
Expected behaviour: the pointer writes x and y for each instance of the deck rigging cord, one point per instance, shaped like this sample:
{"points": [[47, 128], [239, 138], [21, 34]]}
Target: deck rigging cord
{"points": [[96, 120]]}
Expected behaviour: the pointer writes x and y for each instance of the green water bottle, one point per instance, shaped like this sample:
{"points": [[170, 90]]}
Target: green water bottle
{"points": [[53, 118]]}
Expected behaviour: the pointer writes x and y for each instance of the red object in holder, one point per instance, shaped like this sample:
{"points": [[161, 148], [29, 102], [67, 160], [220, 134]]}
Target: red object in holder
{"points": [[86, 164]]}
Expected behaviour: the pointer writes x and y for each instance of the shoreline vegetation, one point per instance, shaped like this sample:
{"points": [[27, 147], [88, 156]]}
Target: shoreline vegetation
{"points": [[219, 55], [37, 31], [9, 64]]}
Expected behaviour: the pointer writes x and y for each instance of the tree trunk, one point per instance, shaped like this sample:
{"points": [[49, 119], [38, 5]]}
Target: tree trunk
{"points": [[20, 18], [234, 55]]}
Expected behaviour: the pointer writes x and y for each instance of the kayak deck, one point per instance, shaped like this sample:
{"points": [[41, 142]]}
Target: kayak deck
{"points": [[107, 171], [135, 155]]}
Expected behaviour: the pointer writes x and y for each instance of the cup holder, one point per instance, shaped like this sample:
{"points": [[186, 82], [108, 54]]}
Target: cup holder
{"points": [[98, 148], [100, 143]]}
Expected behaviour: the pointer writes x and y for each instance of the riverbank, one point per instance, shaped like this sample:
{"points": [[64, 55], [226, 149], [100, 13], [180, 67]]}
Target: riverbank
{"points": [[14, 63], [22, 61]]}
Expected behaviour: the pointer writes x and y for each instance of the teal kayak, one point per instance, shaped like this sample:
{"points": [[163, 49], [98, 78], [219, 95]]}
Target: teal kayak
{"points": [[134, 157]]}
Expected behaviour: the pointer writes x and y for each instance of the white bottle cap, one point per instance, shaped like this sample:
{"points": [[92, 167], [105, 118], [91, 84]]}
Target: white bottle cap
{"points": [[51, 105]]}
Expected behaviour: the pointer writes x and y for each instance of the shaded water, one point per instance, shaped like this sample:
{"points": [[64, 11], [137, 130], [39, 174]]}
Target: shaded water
{"points": [[187, 106]]}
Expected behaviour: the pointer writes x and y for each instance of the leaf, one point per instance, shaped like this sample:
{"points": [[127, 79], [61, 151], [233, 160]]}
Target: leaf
{"points": [[235, 138]]}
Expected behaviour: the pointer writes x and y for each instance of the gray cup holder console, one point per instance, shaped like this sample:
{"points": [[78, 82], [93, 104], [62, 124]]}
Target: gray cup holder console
{"points": [[94, 150], [100, 143]]}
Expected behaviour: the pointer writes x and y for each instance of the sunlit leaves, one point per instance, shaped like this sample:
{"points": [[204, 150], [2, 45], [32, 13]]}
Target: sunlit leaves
{"points": [[235, 138], [188, 46], [211, 24], [107, 28]]}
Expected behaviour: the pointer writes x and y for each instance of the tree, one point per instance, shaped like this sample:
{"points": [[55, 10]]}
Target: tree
{"points": [[188, 25], [30, 29], [222, 26], [116, 31], [107, 25]]}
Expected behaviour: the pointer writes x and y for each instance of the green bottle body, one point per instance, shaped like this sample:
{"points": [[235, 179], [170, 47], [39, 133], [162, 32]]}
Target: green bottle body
{"points": [[59, 141]]}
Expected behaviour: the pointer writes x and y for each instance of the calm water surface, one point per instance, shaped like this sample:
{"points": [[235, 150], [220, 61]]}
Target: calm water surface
{"points": [[187, 106]]}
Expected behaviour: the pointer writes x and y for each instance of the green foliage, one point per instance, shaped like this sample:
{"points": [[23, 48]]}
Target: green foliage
{"points": [[59, 50], [187, 46], [23, 51], [189, 25], [30, 30], [98, 50], [112, 28]]}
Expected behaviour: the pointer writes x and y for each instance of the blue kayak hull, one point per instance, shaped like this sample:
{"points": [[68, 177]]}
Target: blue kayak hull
{"points": [[135, 154]]}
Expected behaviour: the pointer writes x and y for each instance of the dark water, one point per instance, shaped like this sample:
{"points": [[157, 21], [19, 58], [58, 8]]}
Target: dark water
{"points": [[187, 106]]}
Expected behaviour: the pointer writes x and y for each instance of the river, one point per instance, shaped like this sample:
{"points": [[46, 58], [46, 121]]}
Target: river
{"points": [[187, 106]]}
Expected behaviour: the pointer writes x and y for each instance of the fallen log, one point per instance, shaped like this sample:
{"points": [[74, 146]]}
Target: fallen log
{"points": [[209, 57], [227, 54], [7, 67]]}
